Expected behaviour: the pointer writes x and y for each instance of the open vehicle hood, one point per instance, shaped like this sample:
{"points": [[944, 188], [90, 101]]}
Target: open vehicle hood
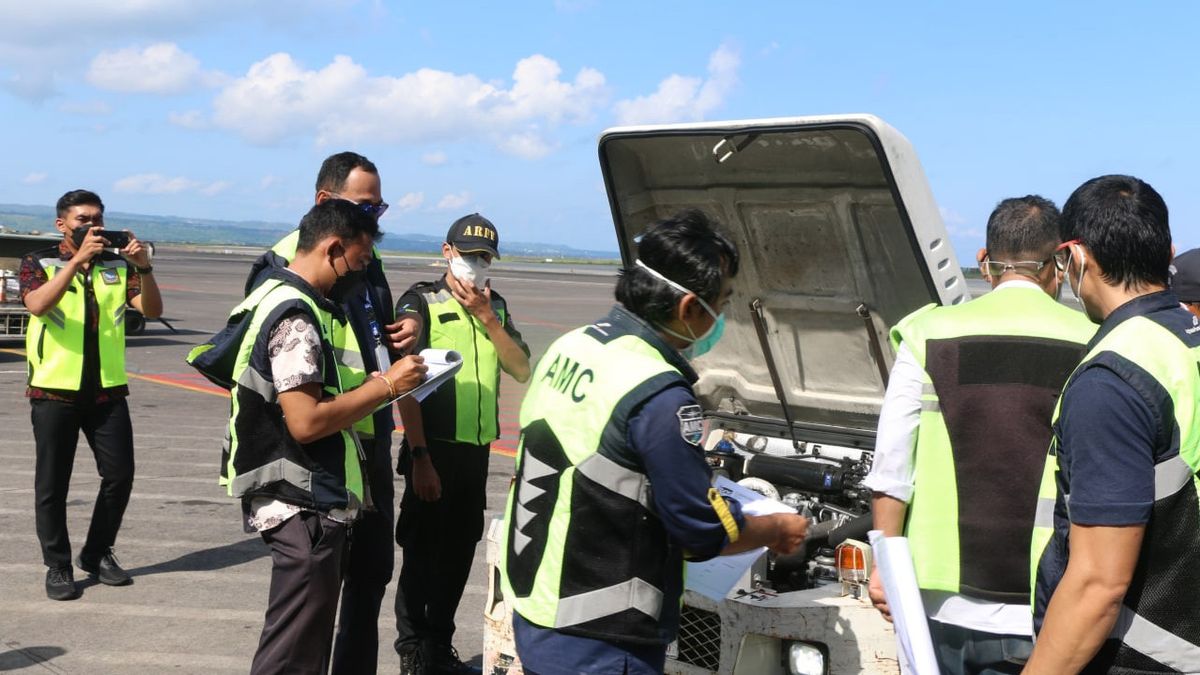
{"points": [[839, 238]]}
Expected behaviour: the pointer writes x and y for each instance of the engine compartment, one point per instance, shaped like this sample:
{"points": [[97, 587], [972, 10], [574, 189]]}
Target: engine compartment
{"points": [[822, 482]]}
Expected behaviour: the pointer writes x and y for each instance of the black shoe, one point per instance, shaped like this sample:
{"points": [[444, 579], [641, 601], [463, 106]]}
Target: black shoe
{"points": [[106, 570], [442, 659], [412, 661], [60, 583]]}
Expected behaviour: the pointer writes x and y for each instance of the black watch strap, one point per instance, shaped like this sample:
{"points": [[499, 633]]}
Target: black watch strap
{"points": [[144, 270]]}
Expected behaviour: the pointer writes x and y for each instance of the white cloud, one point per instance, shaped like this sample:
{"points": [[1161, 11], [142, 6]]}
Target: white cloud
{"points": [[158, 184], [527, 145], [958, 225], [268, 181], [434, 158], [682, 98], [188, 119], [92, 108], [951, 217], [216, 187], [278, 98], [39, 43], [409, 201], [455, 200], [35, 178], [161, 68]]}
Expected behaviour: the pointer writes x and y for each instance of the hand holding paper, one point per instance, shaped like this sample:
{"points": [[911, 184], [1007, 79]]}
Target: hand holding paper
{"points": [[430, 369]]}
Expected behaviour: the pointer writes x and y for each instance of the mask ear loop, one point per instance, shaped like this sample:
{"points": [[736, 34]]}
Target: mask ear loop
{"points": [[1082, 267]]}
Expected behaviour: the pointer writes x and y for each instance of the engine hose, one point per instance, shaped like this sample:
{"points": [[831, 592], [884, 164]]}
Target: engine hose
{"points": [[826, 534]]}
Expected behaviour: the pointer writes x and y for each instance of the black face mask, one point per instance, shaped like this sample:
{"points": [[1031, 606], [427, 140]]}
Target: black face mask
{"points": [[346, 284]]}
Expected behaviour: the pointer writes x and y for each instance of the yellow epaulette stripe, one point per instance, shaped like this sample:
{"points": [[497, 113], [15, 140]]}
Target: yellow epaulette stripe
{"points": [[724, 515]]}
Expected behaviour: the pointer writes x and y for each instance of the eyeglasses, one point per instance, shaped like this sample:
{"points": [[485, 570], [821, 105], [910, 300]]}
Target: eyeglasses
{"points": [[374, 210], [1062, 254], [996, 268]]}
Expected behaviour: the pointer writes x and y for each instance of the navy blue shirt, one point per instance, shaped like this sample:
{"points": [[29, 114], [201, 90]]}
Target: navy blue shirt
{"points": [[1113, 428], [680, 480], [1107, 451]]}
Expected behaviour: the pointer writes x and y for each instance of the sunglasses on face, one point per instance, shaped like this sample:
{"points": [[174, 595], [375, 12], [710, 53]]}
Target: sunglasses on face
{"points": [[373, 210]]}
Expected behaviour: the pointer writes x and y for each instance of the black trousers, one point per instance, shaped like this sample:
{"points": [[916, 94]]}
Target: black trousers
{"points": [[306, 574], [56, 427], [439, 540], [367, 569], [963, 651]]}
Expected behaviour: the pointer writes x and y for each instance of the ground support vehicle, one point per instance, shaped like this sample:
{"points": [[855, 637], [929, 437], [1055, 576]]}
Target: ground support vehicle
{"points": [[840, 238]]}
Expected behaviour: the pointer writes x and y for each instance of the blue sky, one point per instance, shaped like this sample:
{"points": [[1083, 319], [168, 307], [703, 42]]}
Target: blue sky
{"points": [[225, 108]]}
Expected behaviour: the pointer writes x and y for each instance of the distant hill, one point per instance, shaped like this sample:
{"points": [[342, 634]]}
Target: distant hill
{"points": [[24, 218]]}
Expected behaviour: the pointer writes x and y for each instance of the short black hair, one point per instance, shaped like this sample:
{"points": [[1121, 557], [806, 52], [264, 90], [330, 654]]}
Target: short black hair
{"points": [[1123, 222], [1023, 228], [335, 217], [336, 169], [77, 198], [686, 248]]}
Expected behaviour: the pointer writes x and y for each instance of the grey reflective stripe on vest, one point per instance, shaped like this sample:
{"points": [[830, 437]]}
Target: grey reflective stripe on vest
{"points": [[252, 380], [927, 389], [441, 296], [119, 315], [1157, 643], [632, 594], [616, 478], [1171, 476], [274, 472], [931, 406], [51, 262], [351, 358], [57, 317], [1044, 516]]}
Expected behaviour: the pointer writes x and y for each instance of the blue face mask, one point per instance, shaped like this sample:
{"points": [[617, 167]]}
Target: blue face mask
{"points": [[702, 344]]}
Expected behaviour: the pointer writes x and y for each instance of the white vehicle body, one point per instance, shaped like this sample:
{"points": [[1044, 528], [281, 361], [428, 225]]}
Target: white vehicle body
{"points": [[839, 238]]}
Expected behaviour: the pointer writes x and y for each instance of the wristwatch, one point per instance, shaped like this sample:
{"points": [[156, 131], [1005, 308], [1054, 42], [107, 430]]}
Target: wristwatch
{"points": [[145, 270], [418, 451]]}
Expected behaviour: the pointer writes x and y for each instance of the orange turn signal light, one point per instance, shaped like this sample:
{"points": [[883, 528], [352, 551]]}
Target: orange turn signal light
{"points": [[852, 563]]}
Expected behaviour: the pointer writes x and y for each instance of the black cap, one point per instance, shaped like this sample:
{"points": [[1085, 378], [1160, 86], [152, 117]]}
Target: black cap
{"points": [[1185, 276], [474, 234]]}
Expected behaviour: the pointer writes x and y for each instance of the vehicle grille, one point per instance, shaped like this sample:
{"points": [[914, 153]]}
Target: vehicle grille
{"points": [[700, 638], [14, 324]]}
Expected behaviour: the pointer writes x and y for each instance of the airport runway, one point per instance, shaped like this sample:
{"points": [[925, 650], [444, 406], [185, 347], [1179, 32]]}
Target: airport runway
{"points": [[200, 586]]}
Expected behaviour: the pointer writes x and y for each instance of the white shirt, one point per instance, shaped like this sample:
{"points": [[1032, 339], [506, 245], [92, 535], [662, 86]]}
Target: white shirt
{"points": [[892, 475]]}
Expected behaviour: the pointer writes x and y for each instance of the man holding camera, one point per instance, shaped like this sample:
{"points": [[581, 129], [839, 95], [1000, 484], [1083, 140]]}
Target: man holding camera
{"points": [[77, 293]]}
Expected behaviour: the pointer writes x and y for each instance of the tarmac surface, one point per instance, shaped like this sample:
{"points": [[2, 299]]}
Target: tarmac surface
{"points": [[200, 583]]}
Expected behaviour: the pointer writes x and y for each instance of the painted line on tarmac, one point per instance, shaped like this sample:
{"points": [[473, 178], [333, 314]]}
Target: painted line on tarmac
{"points": [[177, 380]]}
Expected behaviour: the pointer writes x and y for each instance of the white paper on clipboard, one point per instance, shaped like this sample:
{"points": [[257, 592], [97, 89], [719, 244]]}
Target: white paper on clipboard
{"points": [[716, 578], [442, 364]]}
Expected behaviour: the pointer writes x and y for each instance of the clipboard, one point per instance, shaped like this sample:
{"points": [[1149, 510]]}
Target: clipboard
{"points": [[443, 364]]}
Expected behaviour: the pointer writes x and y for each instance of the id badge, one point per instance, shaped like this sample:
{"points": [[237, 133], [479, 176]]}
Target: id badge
{"points": [[110, 277], [382, 358]]}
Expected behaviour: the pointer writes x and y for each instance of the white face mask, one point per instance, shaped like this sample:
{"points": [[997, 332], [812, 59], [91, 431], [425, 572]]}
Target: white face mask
{"points": [[471, 269]]}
